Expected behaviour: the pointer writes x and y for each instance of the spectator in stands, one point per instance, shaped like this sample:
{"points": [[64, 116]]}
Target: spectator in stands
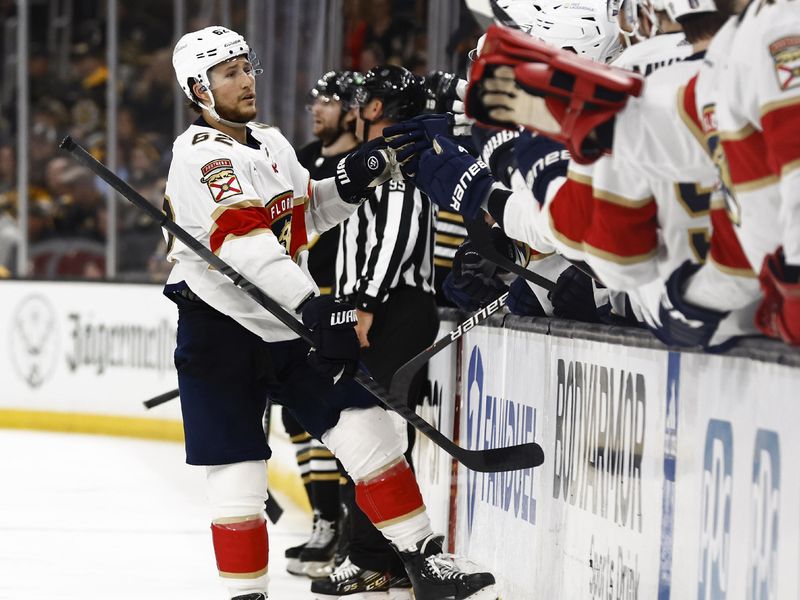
{"points": [[355, 30], [392, 34], [151, 93], [8, 167], [82, 209]]}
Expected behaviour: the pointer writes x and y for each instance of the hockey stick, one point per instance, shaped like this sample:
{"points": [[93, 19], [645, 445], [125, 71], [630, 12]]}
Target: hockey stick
{"points": [[510, 458], [161, 398], [479, 233], [271, 506], [400, 384]]}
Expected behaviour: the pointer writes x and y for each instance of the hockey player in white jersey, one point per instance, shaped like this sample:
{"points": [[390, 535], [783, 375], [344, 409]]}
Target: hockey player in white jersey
{"points": [[237, 188], [746, 103], [588, 29]]}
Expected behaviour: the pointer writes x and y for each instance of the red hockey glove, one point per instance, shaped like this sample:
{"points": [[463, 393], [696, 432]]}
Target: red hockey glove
{"points": [[778, 315], [552, 91]]}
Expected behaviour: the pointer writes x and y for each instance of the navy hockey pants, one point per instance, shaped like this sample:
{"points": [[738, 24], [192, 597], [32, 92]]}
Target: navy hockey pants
{"points": [[226, 372]]}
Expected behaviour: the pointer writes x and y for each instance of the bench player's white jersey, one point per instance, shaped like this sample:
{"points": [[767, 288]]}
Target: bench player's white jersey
{"points": [[654, 53], [254, 206], [747, 104], [637, 214]]}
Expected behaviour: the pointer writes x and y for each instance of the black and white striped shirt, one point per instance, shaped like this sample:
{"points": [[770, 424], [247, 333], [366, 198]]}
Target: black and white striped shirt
{"points": [[387, 243]]}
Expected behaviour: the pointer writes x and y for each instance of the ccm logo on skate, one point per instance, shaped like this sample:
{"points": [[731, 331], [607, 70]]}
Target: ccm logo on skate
{"points": [[344, 317], [463, 183]]}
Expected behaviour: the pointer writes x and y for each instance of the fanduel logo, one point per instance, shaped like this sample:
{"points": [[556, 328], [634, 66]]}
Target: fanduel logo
{"points": [[493, 422], [461, 187], [600, 440], [715, 516], [762, 578], [343, 317]]}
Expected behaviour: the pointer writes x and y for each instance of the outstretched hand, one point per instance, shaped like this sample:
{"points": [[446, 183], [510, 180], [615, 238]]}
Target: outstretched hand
{"points": [[453, 178], [366, 167], [411, 138], [508, 102]]}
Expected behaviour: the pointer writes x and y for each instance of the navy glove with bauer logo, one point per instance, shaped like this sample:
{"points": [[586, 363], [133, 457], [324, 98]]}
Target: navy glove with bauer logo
{"points": [[336, 348], [453, 178]]}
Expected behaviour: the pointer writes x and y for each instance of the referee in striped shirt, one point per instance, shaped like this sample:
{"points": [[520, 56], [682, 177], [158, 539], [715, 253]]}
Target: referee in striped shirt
{"points": [[385, 267]]}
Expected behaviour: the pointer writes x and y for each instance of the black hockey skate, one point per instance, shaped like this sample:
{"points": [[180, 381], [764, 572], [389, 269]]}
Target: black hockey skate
{"points": [[316, 558], [354, 583], [435, 575], [293, 559], [251, 597]]}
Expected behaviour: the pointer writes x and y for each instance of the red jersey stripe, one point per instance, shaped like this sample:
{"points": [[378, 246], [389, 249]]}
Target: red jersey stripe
{"points": [[746, 153], [782, 134], [726, 250], [571, 211], [624, 232], [687, 109], [238, 222]]}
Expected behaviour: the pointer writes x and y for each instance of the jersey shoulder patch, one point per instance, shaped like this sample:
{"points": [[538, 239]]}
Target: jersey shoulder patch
{"points": [[220, 178], [785, 54]]}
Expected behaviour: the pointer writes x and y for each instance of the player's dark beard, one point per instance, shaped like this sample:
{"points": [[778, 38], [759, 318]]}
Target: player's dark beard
{"points": [[328, 135], [236, 115]]}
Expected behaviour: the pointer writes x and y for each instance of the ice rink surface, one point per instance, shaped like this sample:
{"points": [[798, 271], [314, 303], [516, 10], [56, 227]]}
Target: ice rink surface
{"points": [[104, 518]]}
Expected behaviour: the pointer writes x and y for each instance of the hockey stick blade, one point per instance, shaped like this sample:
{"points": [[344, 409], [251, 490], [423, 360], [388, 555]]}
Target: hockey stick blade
{"points": [[401, 380], [510, 458], [273, 509], [498, 459], [479, 233], [161, 399]]}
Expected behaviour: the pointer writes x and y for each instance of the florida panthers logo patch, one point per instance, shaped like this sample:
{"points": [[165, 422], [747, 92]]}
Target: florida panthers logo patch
{"points": [[218, 175], [786, 56]]}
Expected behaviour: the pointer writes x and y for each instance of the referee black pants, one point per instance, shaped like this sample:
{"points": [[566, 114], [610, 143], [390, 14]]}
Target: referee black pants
{"points": [[402, 327]]}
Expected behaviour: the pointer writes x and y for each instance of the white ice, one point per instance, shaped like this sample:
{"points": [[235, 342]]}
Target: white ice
{"points": [[102, 518]]}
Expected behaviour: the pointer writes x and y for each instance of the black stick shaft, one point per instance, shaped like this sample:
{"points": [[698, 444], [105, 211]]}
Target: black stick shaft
{"points": [[402, 378], [161, 399], [509, 458], [479, 233]]}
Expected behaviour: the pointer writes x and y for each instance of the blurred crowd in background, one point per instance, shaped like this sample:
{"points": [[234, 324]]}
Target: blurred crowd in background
{"points": [[67, 215]]}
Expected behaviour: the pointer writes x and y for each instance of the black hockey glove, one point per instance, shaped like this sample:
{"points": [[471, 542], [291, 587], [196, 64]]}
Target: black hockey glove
{"points": [[336, 348], [573, 296], [522, 301], [364, 168], [682, 323], [475, 280], [442, 92]]}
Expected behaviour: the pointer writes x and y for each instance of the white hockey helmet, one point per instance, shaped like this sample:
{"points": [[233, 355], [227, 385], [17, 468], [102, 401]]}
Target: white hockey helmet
{"points": [[585, 26], [677, 9], [633, 11], [199, 51]]}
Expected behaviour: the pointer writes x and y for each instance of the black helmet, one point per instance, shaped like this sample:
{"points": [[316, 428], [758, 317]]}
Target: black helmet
{"points": [[338, 85], [402, 92]]}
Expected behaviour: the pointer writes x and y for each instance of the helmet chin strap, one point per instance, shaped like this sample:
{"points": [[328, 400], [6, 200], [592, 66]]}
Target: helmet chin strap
{"points": [[215, 115]]}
